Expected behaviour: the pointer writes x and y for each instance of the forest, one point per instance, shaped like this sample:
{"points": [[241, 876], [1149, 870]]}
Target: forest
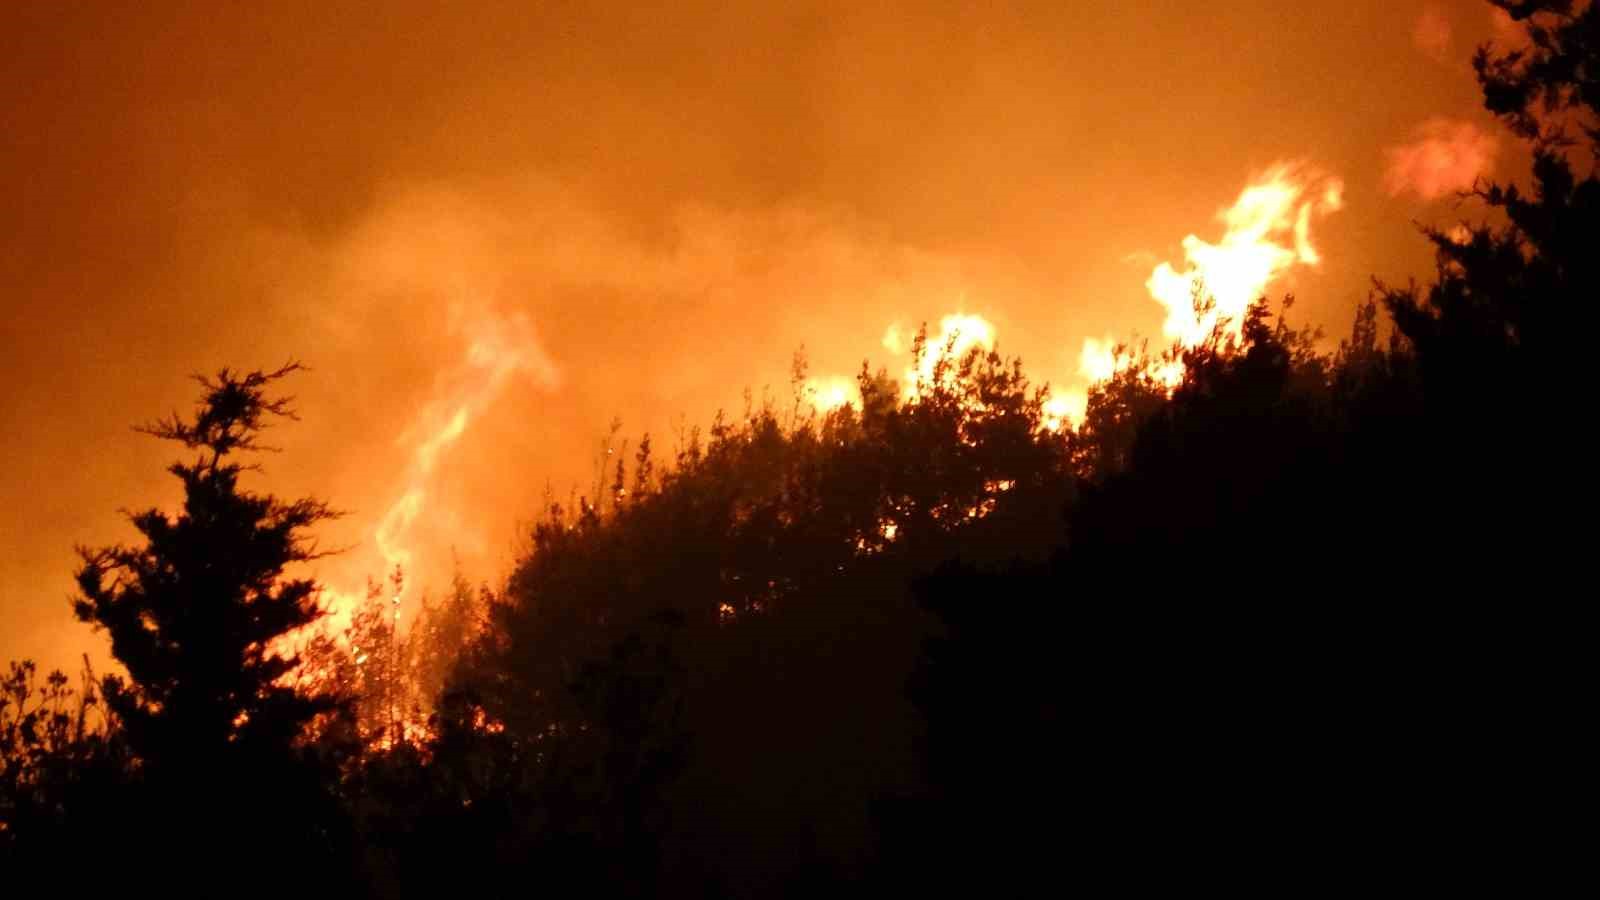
{"points": [[1294, 620]]}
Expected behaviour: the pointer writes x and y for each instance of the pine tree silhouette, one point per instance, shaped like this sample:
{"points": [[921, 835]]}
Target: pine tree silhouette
{"points": [[195, 614]]}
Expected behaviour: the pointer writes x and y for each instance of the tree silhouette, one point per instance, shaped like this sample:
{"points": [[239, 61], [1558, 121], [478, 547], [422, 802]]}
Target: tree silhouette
{"points": [[710, 663], [1310, 616], [1496, 322], [194, 613], [197, 614], [1495, 334], [61, 764]]}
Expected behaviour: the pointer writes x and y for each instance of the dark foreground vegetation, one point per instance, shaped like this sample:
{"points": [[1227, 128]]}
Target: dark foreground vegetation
{"points": [[1298, 622]]}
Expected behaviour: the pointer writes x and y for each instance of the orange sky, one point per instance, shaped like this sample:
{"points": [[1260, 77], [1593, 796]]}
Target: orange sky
{"points": [[629, 210]]}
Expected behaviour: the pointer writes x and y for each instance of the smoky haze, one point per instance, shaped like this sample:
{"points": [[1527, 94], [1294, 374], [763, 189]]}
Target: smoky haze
{"points": [[554, 216]]}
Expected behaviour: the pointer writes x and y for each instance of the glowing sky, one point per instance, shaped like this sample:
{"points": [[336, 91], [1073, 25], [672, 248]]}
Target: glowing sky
{"points": [[491, 228]]}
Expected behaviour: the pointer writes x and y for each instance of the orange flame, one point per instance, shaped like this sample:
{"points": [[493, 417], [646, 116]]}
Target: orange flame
{"points": [[959, 334], [501, 349], [1268, 233], [1098, 361], [831, 392]]}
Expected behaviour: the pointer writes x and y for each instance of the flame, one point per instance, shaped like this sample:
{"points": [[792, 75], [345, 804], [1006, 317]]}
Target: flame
{"points": [[894, 339], [1268, 233], [832, 392], [501, 349], [959, 334], [1098, 360], [1061, 410]]}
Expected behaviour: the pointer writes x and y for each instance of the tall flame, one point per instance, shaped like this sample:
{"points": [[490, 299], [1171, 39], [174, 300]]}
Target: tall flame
{"points": [[831, 392], [1097, 362], [959, 334], [501, 349], [1268, 233]]}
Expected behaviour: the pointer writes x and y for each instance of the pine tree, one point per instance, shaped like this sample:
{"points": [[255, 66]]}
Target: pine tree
{"points": [[194, 613], [1497, 333], [1494, 327], [197, 613]]}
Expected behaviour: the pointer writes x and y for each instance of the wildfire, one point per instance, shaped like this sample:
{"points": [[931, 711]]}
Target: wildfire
{"points": [[1268, 233], [959, 334], [894, 340], [1061, 410], [831, 392], [501, 349]]}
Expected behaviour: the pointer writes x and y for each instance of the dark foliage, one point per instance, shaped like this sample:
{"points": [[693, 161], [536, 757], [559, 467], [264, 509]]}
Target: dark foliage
{"points": [[218, 779], [1311, 625]]}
